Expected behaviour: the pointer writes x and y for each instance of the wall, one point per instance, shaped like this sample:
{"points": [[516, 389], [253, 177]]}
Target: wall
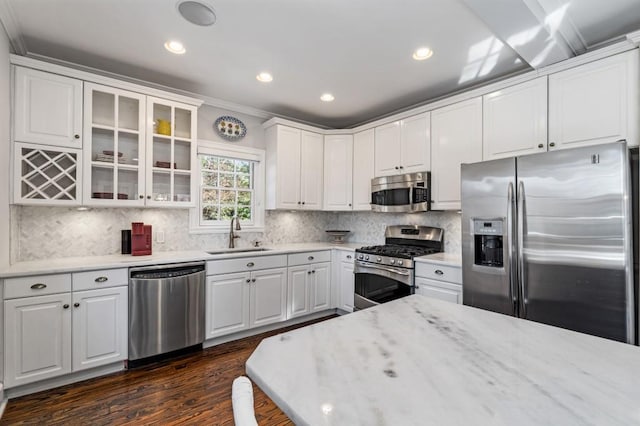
{"points": [[207, 115], [5, 99]]}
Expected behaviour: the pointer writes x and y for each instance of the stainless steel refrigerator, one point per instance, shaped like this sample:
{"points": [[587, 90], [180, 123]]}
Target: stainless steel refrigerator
{"points": [[548, 237]]}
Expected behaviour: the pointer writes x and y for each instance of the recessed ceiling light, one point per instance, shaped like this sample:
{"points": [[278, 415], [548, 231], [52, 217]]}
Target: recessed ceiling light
{"points": [[264, 77], [174, 46], [197, 13], [422, 53], [327, 97]]}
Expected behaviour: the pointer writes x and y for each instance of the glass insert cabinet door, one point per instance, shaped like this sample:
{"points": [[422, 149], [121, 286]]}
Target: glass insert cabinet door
{"points": [[171, 153], [114, 146]]}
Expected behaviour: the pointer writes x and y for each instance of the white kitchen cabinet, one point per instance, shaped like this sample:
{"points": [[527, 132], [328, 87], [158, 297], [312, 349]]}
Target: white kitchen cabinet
{"points": [[403, 146], [346, 282], [363, 169], [243, 300], [309, 283], [294, 168], [268, 297], [37, 336], [100, 327], [47, 175], [47, 109], [443, 282], [227, 307], [114, 146], [595, 103], [338, 172], [171, 153], [456, 138], [515, 120]]}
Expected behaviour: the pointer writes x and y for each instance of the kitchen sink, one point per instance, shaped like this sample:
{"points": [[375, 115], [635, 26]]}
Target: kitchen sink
{"points": [[238, 250]]}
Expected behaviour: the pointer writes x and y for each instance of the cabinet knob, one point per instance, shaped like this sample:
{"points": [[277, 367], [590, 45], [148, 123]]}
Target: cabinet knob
{"points": [[38, 286], [141, 197], [397, 167], [148, 197], [402, 167], [313, 272], [349, 204], [248, 280], [101, 279], [253, 280], [65, 306], [303, 203], [310, 258], [76, 136], [439, 272], [250, 264], [76, 305], [308, 272], [552, 144], [540, 145], [299, 203]]}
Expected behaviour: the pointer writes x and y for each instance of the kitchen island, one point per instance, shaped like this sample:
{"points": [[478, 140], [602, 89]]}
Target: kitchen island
{"points": [[422, 361]]}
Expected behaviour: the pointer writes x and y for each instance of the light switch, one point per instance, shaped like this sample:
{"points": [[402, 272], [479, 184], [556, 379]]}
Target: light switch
{"points": [[159, 236]]}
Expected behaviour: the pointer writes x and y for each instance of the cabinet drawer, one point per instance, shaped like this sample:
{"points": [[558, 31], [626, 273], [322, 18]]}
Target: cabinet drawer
{"points": [[99, 279], [439, 290], [309, 257], [347, 256], [37, 285], [243, 264], [438, 272]]}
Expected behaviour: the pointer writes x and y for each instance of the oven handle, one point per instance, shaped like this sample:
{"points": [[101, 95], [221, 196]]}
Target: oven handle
{"points": [[384, 268]]}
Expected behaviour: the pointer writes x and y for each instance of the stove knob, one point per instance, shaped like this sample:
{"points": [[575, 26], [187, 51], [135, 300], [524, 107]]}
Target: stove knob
{"points": [[366, 257], [399, 262], [379, 259], [360, 256], [392, 261]]}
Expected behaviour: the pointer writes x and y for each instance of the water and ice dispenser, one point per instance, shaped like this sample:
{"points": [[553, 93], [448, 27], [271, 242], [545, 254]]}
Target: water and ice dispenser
{"points": [[488, 242]]}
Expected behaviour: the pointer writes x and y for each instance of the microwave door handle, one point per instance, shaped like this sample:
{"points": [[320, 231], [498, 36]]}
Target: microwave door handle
{"points": [[513, 278], [520, 239]]}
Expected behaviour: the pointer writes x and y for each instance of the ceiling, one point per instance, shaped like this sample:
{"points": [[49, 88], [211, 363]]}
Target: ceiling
{"points": [[358, 50]]}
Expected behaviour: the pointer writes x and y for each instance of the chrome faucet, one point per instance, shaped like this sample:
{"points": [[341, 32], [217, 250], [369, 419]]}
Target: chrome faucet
{"points": [[233, 236]]}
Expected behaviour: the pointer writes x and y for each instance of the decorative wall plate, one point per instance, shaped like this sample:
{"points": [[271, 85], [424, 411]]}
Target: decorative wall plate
{"points": [[230, 128]]}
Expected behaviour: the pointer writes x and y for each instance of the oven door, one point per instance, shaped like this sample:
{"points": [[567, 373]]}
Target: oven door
{"points": [[375, 284]]}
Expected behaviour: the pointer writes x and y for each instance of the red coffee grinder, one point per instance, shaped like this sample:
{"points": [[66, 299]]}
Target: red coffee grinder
{"points": [[141, 238]]}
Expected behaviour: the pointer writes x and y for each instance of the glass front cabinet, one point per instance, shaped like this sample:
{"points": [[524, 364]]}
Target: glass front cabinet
{"points": [[171, 153], [139, 150]]}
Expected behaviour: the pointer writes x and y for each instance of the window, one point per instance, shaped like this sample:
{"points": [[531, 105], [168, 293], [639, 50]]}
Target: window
{"points": [[230, 182], [226, 189]]}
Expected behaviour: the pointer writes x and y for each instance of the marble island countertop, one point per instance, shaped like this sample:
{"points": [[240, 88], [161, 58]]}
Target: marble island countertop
{"points": [[68, 264], [420, 361]]}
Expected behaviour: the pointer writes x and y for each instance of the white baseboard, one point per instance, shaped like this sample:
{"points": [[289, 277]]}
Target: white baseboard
{"points": [[3, 400]]}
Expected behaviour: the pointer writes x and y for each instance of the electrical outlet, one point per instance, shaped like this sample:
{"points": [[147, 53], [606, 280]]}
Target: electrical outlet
{"points": [[160, 237]]}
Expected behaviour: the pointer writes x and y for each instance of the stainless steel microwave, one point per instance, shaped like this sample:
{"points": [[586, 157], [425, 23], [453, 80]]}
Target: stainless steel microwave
{"points": [[407, 193]]}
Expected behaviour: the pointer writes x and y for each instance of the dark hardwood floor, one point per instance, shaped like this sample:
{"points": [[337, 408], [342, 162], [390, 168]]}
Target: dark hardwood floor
{"points": [[191, 389]]}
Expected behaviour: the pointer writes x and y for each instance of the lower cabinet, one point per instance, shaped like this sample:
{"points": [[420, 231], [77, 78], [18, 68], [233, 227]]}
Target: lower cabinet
{"points": [[439, 281], [309, 289], [346, 283], [52, 335], [244, 300]]}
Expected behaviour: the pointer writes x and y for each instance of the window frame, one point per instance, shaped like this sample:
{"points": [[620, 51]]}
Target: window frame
{"points": [[227, 150]]}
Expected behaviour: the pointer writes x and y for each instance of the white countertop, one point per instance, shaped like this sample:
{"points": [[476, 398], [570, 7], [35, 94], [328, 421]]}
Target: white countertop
{"points": [[450, 259], [420, 361], [88, 263]]}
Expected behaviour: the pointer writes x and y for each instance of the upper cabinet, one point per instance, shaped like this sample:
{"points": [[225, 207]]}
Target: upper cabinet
{"points": [[338, 172], [114, 146], [171, 153], [47, 108], [456, 139], [515, 120], [294, 168], [363, 164], [403, 146], [595, 103]]}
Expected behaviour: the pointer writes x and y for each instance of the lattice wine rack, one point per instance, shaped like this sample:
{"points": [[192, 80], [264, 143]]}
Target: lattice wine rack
{"points": [[47, 175]]}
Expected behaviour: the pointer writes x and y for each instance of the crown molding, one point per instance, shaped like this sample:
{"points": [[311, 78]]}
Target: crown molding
{"points": [[12, 28], [634, 37]]}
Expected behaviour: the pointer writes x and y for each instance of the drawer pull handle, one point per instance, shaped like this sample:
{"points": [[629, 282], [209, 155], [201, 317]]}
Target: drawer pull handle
{"points": [[439, 272], [348, 256], [38, 286], [250, 264], [101, 279], [310, 258]]}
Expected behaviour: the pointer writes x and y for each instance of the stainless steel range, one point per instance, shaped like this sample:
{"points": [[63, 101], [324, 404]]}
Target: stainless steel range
{"points": [[384, 273]]}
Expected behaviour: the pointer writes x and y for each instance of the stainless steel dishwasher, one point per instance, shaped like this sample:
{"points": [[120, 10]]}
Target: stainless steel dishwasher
{"points": [[166, 309]]}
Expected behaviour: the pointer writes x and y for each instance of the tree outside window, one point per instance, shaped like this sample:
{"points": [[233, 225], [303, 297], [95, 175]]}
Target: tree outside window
{"points": [[226, 189]]}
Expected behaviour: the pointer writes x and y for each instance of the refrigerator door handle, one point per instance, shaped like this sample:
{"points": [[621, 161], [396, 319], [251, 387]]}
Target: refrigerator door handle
{"points": [[520, 238], [513, 278]]}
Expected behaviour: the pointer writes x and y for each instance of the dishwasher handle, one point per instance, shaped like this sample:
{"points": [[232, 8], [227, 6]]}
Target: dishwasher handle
{"points": [[166, 271]]}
